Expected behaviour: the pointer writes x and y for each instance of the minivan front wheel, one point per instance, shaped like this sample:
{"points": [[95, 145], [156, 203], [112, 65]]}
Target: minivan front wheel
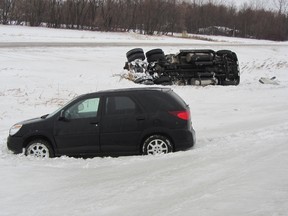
{"points": [[157, 144], [39, 149]]}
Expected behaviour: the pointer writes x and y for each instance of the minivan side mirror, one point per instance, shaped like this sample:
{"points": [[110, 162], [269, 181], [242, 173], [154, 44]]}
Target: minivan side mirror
{"points": [[62, 116]]}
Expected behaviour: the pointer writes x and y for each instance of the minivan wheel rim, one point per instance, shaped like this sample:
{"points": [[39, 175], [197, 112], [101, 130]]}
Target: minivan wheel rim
{"points": [[157, 146], [38, 150]]}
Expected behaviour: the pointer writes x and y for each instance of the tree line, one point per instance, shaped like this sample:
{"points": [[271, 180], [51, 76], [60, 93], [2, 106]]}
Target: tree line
{"points": [[146, 16]]}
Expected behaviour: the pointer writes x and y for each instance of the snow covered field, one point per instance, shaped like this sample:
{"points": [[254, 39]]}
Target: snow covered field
{"points": [[239, 165]]}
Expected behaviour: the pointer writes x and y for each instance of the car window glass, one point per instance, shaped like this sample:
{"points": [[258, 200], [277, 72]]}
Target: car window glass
{"points": [[83, 109], [158, 102], [178, 98], [119, 105]]}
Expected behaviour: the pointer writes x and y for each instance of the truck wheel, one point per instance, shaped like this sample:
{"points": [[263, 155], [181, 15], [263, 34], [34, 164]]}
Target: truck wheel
{"points": [[39, 148], [153, 52], [157, 144], [134, 51], [136, 56], [229, 54], [155, 58]]}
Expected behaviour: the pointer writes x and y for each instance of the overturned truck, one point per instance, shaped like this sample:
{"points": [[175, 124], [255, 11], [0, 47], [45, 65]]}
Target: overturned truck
{"points": [[187, 67]]}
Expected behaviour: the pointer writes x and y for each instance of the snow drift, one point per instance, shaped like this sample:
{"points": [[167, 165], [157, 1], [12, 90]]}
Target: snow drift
{"points": [[239, 165]]}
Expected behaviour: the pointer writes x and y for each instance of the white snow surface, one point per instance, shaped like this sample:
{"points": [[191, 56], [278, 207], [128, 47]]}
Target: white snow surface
{"points": [[239, 165]]}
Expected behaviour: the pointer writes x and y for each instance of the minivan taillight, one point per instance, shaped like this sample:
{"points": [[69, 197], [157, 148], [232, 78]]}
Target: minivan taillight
{"points": [[185, 115]]}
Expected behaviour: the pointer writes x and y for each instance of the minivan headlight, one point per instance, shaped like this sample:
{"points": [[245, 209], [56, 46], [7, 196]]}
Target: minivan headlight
{"points": [[14, 129]]}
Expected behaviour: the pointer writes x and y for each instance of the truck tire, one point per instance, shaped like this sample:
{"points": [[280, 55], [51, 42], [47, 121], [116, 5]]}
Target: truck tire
{"points": [[156, 57], [229, 54], [134, 51], [154, 52], [136, 56]]}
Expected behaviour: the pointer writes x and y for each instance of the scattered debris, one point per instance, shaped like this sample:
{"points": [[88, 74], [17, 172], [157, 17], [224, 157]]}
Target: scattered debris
{"points": [[272, 80]]}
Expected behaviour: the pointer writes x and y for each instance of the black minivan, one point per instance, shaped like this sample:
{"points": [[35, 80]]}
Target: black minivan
{"points": [[109, 123]]}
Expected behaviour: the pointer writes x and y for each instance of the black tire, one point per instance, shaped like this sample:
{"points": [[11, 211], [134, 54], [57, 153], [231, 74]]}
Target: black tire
{"points": [[223, 52], [136, 56], [39, 148], [155, 58], [134, 51], [157, 144], [154, 51], [229, 54], [163, 80]]}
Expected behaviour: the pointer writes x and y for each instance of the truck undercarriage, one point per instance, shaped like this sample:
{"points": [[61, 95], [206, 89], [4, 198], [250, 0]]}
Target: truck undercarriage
{"points": [[188, 67]]}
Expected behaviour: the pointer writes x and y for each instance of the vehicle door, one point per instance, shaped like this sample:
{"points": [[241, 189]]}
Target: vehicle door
{"points": [[76, 132], [121, 125]]}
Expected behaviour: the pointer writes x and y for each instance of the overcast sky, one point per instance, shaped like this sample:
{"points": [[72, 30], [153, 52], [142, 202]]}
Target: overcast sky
{"points": [[267, 4], [259, 3]]}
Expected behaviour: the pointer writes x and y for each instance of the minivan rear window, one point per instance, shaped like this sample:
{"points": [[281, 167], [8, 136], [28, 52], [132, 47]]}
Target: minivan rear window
{"points": [[155, 101], [178, 98]]}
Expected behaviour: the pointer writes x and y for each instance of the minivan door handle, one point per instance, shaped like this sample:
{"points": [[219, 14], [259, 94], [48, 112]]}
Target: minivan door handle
{"points": [[94, 123], [140, 118]]}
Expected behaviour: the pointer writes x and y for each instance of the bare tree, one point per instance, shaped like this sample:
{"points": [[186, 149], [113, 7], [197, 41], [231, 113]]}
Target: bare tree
{"points": [[55, 12], [151, 16], [6, 10], [281, 6], [33, 11]]}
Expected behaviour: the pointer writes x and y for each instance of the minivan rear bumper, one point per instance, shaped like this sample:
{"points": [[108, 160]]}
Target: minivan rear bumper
{"points": [[185, 139]]}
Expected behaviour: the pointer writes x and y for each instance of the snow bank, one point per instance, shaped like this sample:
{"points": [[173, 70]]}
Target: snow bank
{"points": [[12, 33], [238, 166]]}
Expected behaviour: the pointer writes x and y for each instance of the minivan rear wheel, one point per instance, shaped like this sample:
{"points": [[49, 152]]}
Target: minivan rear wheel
{"points": [[157, 144], [39, 149]]}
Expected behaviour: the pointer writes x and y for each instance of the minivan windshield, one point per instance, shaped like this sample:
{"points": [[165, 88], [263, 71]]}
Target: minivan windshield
{"points": [[60, 108]]}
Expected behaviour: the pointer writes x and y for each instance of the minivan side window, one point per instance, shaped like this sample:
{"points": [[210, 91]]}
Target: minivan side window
{"points": [[86, 108], [119, 105]]}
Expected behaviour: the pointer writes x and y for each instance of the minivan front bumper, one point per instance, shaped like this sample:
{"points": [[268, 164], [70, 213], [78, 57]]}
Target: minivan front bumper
{"points": [[15, 144]]}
